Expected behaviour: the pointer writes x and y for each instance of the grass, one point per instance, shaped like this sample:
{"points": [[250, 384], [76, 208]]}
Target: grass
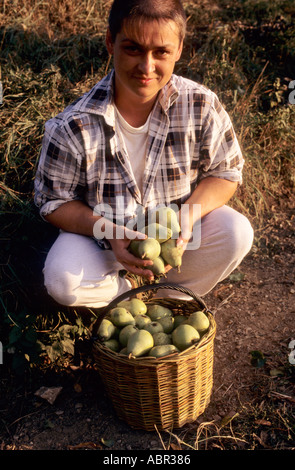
{"points": [[51, 53]]}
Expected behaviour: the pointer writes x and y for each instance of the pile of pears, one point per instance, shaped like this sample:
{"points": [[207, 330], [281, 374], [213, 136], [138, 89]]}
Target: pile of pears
{"points": [[160, 244], [137, 329]]}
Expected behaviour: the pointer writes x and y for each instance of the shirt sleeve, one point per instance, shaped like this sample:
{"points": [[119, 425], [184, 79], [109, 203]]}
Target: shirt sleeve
{"points": [[220, 152], [60, 177]]}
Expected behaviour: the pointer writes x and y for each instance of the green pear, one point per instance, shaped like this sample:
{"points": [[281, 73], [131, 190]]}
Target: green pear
{"points": [[161, 338], [124, 304], [149, 248], [167, 216], [112, 344], [178, 319], [171, 253], [167, 324], [184, 336], [153, 327], [134, 306], [142, 320], [158, 266], [199, 321], [106, 330], [140, 343], [158, 231], [120, 317], [157, 311], [134, 247], [124, 351], [163, 350], [125, 333]]}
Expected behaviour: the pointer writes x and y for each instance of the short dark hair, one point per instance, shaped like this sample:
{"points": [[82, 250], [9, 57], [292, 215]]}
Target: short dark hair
{"points": [[138, 11]]}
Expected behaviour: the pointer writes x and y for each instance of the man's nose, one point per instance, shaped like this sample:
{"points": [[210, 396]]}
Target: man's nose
{"points": [[147, 64]]}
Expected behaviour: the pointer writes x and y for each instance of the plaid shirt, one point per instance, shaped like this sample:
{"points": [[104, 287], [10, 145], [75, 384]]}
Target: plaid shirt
{"points": [[190, 137]]}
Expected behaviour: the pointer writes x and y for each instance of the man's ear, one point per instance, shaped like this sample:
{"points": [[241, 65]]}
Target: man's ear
{"points": [[109, 42], [179, 51]]}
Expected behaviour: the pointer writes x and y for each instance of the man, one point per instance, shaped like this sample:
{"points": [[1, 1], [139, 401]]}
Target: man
{"points": [[140, 138]]}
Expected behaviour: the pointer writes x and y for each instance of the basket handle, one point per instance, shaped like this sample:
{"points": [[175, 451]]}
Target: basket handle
{"points": [[145, 288]]}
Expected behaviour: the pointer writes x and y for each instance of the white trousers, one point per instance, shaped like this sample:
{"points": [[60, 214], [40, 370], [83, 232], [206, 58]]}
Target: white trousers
{"points": [[78, 273]]}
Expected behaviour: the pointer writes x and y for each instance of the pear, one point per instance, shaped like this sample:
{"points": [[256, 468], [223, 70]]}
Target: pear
{"points": [[125, 333], [158, 266], [149, 248], [134, 247], [158, 231], [199, 321], [178, 319], [167, 216], [171, 253], [157, 311], [161, 338], [142, 320], [184, 336], [163, 350], [124, 351], [120, 317], [153, 327], [112, 344], [106, 330], [124, 304], [167, 324], [140, 343], [134, 306], [116, 333]]}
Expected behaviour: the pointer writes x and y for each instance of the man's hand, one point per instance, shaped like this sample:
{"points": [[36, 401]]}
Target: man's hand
{"points": [[130, 262]]}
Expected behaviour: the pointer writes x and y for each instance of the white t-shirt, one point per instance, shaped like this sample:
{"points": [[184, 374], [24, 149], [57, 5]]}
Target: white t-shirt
{"points": [[135, 139]]}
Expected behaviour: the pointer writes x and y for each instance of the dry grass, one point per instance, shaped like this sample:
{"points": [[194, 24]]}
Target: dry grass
{"points": [[52, 52]]}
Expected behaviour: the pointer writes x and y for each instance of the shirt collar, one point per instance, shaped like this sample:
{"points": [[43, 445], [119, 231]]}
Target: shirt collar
{"points": [[99, 100], [169, 94]]}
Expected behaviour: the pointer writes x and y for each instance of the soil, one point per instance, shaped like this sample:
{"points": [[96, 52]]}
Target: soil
{"points": [[254, 311]]}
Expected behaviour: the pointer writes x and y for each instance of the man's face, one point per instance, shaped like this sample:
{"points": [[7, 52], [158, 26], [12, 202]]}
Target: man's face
{"points": [[144, 60]]}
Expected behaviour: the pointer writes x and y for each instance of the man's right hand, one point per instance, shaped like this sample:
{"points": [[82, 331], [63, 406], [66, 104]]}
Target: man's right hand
{"points": [[119, 238], [130, 262]]}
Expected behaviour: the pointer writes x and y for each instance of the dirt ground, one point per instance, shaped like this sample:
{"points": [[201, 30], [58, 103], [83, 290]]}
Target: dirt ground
{"points": [[254, 310]]}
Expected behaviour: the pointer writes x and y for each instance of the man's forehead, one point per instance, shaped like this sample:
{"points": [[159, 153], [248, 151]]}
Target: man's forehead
{"points": [[156, 32]]}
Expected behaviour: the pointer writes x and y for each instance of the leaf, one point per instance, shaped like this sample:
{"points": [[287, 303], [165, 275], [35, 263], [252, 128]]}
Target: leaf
{"points": [[276, 372], [228, 418], [48, 393], [263, 422], [85, 445], [236, 277], [107, 442], [31, 335], [77, 388], [175, 446], [54, 350], [15, 334], [68, 346], [257, 359], [67, 331]]}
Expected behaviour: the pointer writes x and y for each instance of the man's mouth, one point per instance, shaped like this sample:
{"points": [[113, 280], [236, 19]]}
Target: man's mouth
{"points": [[144, 80]]}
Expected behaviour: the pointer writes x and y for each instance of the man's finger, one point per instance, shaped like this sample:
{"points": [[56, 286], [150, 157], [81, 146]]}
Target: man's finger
{"points": [[134, 235]]}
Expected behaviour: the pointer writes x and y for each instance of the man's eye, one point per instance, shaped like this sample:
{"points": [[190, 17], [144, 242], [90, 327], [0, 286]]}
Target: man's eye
{"points": [[162, 52], [132, 49]]}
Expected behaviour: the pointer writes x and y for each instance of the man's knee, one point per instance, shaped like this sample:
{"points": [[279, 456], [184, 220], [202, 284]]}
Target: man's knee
{"points": [[59, 285], [241, 235]]}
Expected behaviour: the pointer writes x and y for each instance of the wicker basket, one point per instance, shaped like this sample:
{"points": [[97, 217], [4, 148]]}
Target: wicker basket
{"points": [[166, 392]]}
